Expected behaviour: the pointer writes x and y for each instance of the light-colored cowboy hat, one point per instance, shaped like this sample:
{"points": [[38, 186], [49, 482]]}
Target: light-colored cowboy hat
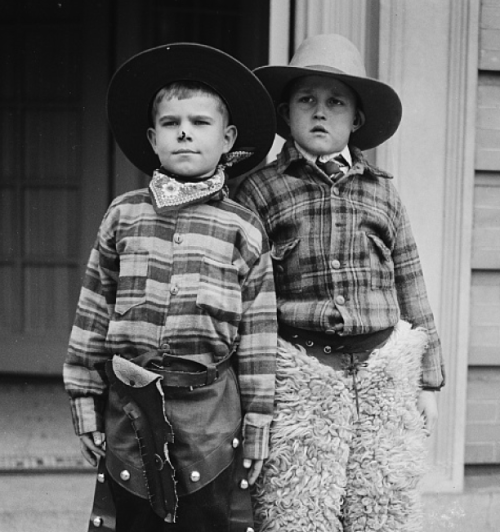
{"points": [[136, 82], [334, 56]]}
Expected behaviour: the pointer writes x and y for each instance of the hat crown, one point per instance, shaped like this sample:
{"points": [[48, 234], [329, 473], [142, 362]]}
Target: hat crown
{"points": [[331, 53]]}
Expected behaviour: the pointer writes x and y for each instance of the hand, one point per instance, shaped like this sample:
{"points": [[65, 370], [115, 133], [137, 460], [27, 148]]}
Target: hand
{"points": [[427, 406], [92, 445], [255, 467]]}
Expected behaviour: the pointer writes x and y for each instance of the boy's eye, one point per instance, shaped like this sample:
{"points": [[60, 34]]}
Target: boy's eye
{"points": [[169, 123], [305, 99], [335, 101]]}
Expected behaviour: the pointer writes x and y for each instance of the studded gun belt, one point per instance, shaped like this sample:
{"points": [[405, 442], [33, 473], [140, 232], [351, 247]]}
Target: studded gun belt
{"points": [[326, 343]]}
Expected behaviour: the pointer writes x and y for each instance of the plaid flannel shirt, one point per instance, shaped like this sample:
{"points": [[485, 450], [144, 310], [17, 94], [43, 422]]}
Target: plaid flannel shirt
{"points": [[344, 254], [199, 280]]}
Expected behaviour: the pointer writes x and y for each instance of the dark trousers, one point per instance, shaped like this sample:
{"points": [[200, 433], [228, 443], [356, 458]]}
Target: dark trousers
{"points": [[206, 510]]}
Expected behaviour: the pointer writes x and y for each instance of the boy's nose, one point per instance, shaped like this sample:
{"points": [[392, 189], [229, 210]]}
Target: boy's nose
{"points": [[183, 134], [319, 111]]}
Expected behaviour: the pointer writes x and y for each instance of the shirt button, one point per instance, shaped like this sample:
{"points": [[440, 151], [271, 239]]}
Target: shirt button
{"points": [[335, 264], [174, 290], [336, 191], [340, 300], [165, 347], [178, 238]]}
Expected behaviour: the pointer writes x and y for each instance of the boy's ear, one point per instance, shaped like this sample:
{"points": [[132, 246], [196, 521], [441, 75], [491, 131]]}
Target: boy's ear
{"points": [[359, 120], [151, 134], [230, 135], [284, 111]]}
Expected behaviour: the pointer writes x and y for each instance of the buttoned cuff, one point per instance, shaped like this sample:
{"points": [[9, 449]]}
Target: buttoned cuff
{"points": [[86, 417], [256, 436]]}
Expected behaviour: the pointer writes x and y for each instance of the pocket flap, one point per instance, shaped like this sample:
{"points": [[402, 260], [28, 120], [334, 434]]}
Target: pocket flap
{"points": [[280, 250], [383, 251]]}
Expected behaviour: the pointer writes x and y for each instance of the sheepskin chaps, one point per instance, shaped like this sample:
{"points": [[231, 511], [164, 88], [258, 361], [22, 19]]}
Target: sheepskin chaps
{"points": [[330, 470]]}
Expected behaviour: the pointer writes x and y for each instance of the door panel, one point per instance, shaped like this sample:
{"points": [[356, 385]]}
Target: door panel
{"points": [[47, 211]]}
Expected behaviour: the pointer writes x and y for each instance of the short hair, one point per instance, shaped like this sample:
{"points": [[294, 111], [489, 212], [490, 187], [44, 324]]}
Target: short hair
{"points": [[187, 89]]}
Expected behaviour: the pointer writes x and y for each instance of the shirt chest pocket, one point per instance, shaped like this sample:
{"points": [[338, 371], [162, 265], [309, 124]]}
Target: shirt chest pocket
{"points": [[132, 281], [381, 264], [219, 292], [286, 262]]}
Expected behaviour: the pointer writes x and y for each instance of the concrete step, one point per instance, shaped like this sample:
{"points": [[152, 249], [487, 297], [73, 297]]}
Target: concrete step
{"points": [[37, 432], [46, 502]]}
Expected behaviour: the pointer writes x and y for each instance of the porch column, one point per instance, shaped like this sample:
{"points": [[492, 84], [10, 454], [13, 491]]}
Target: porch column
{"points": [[429, 53]]}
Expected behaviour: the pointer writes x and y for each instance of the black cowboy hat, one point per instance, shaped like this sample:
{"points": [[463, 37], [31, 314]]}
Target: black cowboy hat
{"points": [[137, 81]]}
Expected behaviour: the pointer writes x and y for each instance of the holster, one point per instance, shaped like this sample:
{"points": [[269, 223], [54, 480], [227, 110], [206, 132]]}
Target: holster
{"points": [[149, 397], [140, 395]]}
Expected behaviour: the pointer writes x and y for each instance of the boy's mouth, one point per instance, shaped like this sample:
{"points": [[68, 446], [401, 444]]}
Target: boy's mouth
{"points": [[318, 129], [184, 151]]}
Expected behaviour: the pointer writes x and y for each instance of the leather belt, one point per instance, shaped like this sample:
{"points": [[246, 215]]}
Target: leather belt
{"points": [[317, 341], [179, 373]]}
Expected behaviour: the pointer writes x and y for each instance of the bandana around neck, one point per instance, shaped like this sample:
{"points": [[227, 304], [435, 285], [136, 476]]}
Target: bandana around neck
{"points": [[169, 192]]}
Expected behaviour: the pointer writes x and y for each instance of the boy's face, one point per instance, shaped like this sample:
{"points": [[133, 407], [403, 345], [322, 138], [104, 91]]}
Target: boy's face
{"points": [[321, 114], [190, 135]]}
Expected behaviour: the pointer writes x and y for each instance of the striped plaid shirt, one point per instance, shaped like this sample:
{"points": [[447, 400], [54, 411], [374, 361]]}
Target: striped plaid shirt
{"points": [[198, 281], [345, 257]]}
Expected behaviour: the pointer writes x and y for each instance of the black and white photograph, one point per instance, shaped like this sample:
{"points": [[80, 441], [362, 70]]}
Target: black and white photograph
{"points": [[250, 265]]}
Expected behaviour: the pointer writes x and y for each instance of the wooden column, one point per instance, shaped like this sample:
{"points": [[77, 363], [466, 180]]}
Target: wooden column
{"points": [[428, 53]]}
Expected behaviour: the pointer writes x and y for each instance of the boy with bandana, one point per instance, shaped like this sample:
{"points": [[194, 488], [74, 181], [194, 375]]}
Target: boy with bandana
{"points": [[171, 361]]}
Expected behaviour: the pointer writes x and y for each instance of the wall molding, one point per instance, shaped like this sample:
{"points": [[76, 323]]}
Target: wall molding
{"points": [[454, 175], [326, 16]]}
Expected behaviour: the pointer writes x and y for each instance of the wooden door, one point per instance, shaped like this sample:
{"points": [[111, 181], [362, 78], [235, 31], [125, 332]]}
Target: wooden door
{"points": [[54, 158]]}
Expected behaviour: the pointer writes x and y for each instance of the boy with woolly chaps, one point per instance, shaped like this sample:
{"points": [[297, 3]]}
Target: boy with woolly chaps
{"points": [[359, 360], [171, 361]]}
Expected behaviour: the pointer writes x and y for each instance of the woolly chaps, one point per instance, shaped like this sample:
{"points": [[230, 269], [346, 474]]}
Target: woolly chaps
{"points": [[330, 470]]}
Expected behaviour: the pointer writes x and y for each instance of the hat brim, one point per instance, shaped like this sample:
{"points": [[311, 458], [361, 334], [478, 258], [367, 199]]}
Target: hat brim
{"points": [[135, 83], [379, 102]]}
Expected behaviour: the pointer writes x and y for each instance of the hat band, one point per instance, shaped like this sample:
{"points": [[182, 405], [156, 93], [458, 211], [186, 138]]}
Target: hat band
{"points": [[323, 68]]}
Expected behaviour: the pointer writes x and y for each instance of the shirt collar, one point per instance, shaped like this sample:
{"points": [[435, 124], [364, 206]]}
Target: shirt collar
{"points": [[290, 154], [346, 154]]}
